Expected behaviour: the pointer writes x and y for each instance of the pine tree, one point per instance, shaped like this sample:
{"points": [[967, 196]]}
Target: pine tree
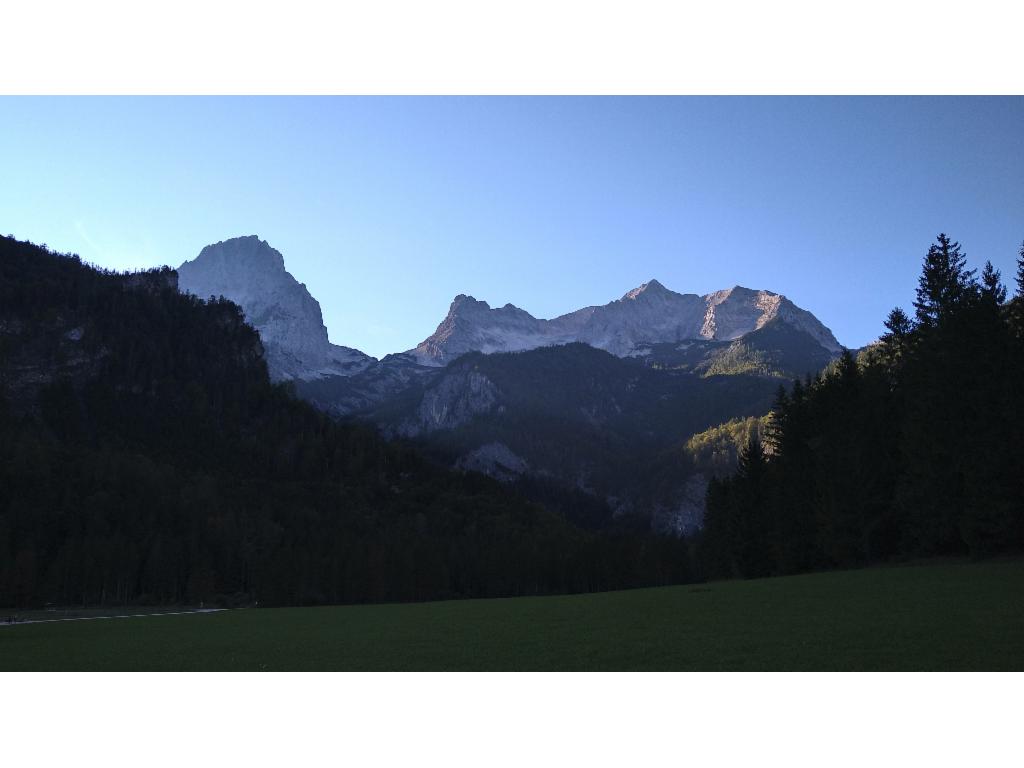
{"points": [[798, 394], [944, 283], [898, 326], [846, 369], [991, 285], [752, 461], [896, 342], [754, 546], [720, 532], [775, 427]]}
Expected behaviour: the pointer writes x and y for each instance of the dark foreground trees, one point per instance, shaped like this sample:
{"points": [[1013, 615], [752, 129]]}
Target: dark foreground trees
{"points": [[912, 449], [146, 457]]}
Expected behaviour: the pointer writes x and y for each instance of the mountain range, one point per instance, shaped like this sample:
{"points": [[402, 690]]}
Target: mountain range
{"points": [[649, 314], [588, 411], [251, 273]]}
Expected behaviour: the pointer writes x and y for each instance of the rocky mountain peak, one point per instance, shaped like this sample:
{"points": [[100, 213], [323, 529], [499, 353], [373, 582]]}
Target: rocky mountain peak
{"points": [[717, 297], [472, 325], [465, 300], [251, 273], [737, 311], [248, 250], [650, 288]]}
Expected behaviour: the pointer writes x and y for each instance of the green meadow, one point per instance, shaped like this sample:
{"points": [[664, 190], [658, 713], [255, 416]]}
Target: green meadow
{"points": [[948, 616]]}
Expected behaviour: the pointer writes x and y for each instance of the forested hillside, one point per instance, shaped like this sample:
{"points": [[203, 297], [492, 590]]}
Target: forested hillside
{"points": [[145, 456], [777, 349], [912, 449], [596, 436]]}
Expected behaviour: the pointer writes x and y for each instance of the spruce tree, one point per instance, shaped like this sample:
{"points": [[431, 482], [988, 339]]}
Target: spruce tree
{"points": [[895, 342], [754, 546], [798, 394], [720, 531], [944, 283], [776, 423], [898, 326], [846, 369], [991, 285]]}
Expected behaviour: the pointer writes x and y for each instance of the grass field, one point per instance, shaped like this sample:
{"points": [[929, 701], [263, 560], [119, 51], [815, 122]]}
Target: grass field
{"points": [[958, 616]]}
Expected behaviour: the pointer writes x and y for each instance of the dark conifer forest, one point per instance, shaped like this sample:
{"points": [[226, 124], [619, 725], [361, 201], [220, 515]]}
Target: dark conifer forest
{"points": [[145, 458], [911, 449]]}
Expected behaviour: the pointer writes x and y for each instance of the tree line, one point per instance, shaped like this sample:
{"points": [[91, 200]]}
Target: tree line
{"points": [[910, 449]]}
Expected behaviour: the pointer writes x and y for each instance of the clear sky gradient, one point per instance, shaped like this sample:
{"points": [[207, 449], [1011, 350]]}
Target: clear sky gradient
{"points": [[387, 208]]}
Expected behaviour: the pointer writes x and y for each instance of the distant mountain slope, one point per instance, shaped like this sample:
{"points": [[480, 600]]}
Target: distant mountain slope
{"points": [[250, 273], [649, 314], [561, 422], [365, 390], [775, 349]]}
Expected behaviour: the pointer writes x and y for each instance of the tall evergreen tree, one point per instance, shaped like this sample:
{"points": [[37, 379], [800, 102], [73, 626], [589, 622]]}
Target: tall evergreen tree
{"points": [[898, 326], [846, 368], [754, 548], [720, 536], [945, 281], [896, 339], [776, 423], [991, 284]]}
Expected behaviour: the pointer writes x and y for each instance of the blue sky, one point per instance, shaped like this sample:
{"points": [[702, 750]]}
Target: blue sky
{"points": [[388, 207]]}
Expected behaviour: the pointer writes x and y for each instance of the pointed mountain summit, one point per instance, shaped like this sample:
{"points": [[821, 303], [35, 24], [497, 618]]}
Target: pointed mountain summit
{"points": [[473, 326], [249, 272], [649, 313], [650, 288]]}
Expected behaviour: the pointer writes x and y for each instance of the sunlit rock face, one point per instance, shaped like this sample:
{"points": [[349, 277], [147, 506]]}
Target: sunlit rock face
{"points": [[648, 314], [737, 311], [472, 326], [455, 401], [251, 273]]}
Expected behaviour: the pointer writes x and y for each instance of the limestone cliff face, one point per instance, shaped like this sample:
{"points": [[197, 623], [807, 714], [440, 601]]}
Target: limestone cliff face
{"points": [[646, 314], [251, 273], [472, 326], [453, 401], [737, 311]]}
